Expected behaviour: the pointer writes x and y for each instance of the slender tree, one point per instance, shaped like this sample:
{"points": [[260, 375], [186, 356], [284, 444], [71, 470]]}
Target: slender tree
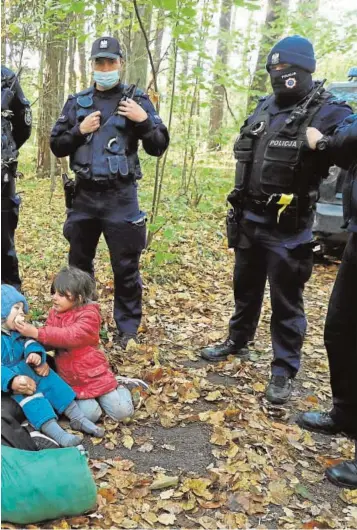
{"points": [[273, 29], [218, 93]]}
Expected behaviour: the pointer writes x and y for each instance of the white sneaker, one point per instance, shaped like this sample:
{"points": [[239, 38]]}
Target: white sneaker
{"points": [[131, 382]]}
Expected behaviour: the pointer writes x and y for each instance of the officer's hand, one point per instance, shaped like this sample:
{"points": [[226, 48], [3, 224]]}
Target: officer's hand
{"points": [[22, 384], [34, 358], [131, 110], [90, 123], [313, 136], [43, 370]]}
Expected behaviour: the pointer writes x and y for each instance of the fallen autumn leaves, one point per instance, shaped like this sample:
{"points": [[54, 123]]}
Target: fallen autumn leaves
{"points": [[204, 450]]}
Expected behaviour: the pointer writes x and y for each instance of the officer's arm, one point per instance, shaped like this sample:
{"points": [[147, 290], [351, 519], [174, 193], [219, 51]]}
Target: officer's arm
{"points": [[326, 121], [332, 115], [22, 118], [343, 143], [66, 136], [152, 132]]}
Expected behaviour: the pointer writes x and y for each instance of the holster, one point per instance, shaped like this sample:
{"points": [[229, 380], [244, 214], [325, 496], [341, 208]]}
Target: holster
{"points": [[232, 224], [69, 187]]}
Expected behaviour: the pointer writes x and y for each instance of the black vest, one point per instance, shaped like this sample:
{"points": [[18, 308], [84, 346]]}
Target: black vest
{"points": [[9, 152], [105, 154], [269, 160]]}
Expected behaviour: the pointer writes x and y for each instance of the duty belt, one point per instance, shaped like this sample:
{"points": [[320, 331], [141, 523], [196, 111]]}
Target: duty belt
{"points": [[100, 185], [262, 206]]}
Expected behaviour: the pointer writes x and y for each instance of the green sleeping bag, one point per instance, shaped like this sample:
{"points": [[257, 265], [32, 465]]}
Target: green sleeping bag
{"points": [[41, 485]]}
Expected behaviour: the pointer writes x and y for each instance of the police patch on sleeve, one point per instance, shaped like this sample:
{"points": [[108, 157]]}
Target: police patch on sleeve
{"points": [[28, 116], [62, 118]]}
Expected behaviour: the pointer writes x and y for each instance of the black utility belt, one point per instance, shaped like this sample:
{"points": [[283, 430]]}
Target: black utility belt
{"points": [[101, 184], [262, 206]]}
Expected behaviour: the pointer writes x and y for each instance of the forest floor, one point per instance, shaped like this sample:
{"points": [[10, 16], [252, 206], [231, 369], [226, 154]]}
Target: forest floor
{"points": [[204, 449]]}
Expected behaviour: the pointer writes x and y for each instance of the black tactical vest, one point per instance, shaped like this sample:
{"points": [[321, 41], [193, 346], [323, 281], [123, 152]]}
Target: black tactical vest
{"points": [[269, 160], [9, 153], [105, 156]]}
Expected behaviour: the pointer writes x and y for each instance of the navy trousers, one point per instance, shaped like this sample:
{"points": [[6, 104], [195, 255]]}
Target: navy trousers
{"points": [[10, 203], [116, 214], [286, 260], [341, 337]]}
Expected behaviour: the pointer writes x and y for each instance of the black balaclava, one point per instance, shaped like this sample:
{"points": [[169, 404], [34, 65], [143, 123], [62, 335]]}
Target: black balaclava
{"points": [[290, 85]]}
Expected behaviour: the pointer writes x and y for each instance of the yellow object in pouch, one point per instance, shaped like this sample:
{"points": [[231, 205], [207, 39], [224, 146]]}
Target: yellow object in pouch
{"points": [[284, 201]]}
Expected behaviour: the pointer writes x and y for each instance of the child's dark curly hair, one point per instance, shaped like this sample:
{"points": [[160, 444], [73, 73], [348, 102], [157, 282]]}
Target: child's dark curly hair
{"points": [[73, 282]]}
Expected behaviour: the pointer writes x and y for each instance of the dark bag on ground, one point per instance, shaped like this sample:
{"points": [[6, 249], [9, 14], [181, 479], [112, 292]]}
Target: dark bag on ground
{"points": [[42, 485], [12, 434]]}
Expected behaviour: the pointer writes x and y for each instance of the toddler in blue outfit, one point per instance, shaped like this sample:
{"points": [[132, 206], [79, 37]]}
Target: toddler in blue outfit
{"points": [[36, 388]]}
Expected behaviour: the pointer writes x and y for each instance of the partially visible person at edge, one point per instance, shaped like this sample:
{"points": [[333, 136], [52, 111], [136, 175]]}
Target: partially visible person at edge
{"points": [[341, 321], [100, 132], [16, 123], [276, 187]]}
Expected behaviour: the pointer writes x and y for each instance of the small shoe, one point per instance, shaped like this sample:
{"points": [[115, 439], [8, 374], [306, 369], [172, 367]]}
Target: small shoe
{"points": [[220, 352], [131, 382], [279, 389], [321, 422], [343, 475], [122, 339]]}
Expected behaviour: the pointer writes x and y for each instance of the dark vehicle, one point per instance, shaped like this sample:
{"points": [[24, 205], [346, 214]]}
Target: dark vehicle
{"points": [[327, 229]]}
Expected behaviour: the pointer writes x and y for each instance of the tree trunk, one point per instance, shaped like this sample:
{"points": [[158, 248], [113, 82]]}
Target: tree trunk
{"points": [[138, 59], [272, 31], [217, 103], [83, 58], [159, 32], [50, 108], [3, 33], [72, 76]]}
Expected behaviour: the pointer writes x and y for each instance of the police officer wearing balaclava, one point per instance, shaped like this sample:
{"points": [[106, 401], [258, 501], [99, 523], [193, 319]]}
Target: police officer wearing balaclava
{"points": [[16, 123], [276, 187], [100, 132]]}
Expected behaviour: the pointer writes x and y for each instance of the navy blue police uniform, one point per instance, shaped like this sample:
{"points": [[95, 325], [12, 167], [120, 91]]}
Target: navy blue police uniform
{"points": [[341, 320], [16, 123], [277, 180], [107, 169]]}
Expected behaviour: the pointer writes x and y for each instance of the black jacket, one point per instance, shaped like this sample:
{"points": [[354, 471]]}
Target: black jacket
{"points": [[21, 118], [343, 151]]}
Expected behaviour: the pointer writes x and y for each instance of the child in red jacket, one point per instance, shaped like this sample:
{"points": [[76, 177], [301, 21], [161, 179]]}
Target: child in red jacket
{"points": [[72, 328]]}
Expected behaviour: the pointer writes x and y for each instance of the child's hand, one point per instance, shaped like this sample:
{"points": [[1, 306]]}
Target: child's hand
{"points": [[27, 330], [22, 384], [42, 370], [34, 358]]}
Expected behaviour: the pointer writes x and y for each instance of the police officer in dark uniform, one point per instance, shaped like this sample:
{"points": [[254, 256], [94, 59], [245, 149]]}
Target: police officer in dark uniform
{"points": [[276, 187], [99, 129], [341, 321], [15, 130]]}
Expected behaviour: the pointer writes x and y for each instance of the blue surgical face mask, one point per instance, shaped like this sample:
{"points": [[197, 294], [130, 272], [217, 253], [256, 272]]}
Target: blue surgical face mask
{"points": [[106, 79]]}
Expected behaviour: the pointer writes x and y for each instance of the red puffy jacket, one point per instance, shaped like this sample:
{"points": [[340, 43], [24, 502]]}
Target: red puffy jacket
{"points": [[79, 361]]}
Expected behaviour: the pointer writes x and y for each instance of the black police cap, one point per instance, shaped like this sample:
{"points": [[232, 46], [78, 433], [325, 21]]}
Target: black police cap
{"points": [[106, 47]]}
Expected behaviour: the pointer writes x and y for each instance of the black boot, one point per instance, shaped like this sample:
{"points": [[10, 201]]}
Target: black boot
{"points": [[122, 339], [324, 423], [279, 389], [321, 422], [343, 475], [220, 352]]}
